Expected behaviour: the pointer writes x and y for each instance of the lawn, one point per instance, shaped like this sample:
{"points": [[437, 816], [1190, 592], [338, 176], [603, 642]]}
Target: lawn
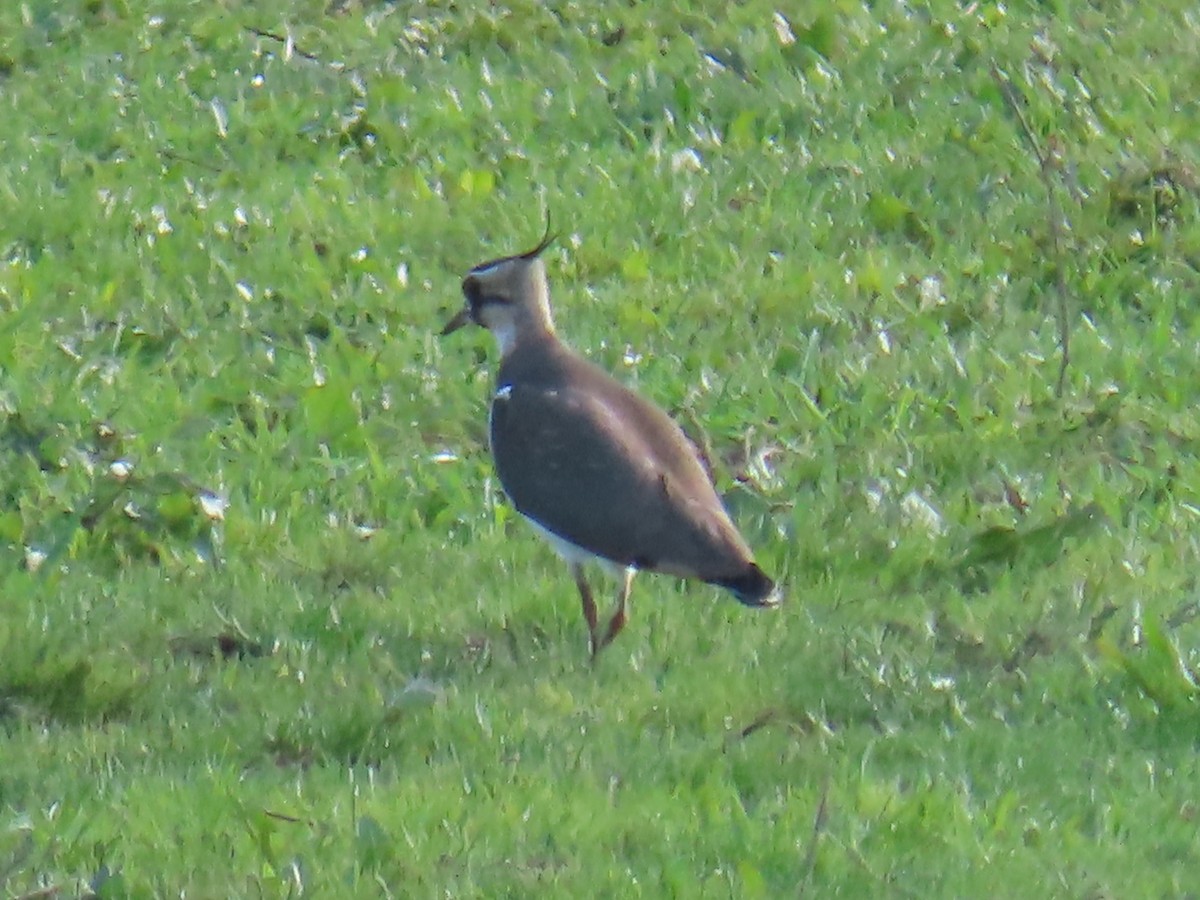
{"points": [[923, 279]]}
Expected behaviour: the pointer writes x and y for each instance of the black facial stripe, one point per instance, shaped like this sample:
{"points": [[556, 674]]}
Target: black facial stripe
{"points": [[478, 301], [473, 291]]}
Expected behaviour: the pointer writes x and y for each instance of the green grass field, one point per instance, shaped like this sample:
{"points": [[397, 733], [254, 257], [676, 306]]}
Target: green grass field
{"points": [[268, 627]]}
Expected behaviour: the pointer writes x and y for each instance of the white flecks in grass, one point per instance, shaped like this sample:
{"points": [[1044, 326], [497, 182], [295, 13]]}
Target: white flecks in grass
{"points": [[929, 289], [106, 369], [923, 513], [245, 291], [713, 65], [1044, 46], [885, 340], [360, 254], [481, 716], [1135, 630], [402, 275], [631, 357], [365, 532], [420, 691], [69, 350], [941, 683], [131, 511], [120, 469], [783, 30], [761, 471], [107, 200], [1104, 342], [876, 491], [258, 80], [239, 217], [686, 160], [443, 457], [213, 505], [162, 224], [956, 358], [418, 33], [220, 116], [34, 558], [708, 134], [490, 500]]}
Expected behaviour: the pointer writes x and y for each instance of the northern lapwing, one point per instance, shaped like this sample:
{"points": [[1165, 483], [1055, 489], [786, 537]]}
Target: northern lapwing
{"points": [[599, 471]]}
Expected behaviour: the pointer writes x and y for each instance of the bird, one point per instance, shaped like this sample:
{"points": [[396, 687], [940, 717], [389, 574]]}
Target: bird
{"points": [[598, 470]]}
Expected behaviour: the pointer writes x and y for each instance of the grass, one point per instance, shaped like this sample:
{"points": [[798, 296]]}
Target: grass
{"points": [[269, 627]]}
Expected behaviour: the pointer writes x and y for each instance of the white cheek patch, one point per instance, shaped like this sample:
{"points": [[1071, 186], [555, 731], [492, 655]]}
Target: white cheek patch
{"points": [[505, 334], [503, 393]]}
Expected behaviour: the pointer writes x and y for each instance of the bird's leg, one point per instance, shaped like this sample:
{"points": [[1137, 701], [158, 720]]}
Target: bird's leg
{"points": [[617, 622], [589, 606]]}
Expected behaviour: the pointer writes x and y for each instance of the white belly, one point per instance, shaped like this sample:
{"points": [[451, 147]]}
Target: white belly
{"points": [[573, 553]]}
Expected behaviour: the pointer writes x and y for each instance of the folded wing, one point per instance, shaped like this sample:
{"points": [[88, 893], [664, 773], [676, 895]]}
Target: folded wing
{"points": [[612, 474]]}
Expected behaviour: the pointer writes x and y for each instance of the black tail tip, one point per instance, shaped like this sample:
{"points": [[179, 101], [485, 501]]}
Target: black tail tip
{"points": [[753, 588]]}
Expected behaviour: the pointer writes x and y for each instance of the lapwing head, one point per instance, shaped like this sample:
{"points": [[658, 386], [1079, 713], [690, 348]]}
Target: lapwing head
{"points": [[509, 297]]}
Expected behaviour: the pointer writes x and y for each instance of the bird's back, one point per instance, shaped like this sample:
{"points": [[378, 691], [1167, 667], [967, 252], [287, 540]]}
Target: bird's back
{"points": [[599, 466]]}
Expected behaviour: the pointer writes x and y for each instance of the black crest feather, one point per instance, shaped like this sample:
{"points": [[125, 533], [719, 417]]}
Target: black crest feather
{"points": [[547, 239]]}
